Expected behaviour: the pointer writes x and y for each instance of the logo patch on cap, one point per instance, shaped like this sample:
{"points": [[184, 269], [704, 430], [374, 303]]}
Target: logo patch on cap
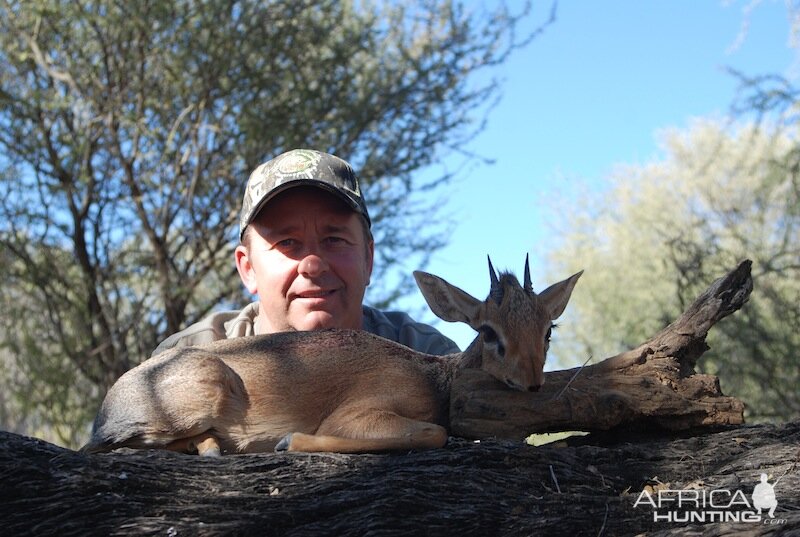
{"points": [[295, 165]]}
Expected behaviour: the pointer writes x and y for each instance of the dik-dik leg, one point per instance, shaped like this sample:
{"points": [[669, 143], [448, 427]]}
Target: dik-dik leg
{"points": [[372, 431], [205, 444]]}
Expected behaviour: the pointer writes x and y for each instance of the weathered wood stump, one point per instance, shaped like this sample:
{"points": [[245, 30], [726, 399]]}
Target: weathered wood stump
{"points": [[651, 386]]}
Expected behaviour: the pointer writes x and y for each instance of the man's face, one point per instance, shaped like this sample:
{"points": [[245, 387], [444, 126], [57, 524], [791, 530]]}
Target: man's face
{"points": [[307, 259]]}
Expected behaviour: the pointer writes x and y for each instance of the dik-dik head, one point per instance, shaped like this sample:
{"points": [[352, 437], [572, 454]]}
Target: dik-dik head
{"points": [[514, 323]]}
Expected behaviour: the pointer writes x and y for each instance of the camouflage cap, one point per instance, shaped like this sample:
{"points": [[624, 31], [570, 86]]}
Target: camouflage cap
{"points": [[300, 167]]}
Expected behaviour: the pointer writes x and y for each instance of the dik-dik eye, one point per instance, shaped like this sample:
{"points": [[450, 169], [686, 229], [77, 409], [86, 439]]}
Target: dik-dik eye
{"points": [[548, 335], [490, 337]]}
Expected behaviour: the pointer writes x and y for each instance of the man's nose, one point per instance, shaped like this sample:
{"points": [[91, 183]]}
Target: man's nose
{"points": [[312, 265]]}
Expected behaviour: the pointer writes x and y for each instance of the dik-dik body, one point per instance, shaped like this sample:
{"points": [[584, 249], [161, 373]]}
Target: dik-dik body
{"points": [[334, 390]]}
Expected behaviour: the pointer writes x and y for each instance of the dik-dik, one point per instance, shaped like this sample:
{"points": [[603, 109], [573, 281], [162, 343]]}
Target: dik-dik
{"points": [[334, 390]]}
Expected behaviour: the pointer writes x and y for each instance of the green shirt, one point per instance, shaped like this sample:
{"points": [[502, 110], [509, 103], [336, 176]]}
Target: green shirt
{"points": [[393, 325]]}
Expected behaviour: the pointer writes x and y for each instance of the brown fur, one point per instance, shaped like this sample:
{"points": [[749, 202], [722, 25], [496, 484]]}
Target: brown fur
{"points": [[333, 390]]}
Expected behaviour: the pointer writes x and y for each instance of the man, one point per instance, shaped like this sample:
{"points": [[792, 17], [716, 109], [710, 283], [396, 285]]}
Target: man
{"points": [[306, 250]]}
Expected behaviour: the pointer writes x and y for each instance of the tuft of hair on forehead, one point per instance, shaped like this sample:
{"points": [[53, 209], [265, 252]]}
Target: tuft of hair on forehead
{"points": [[508, 279], [508, 285]]}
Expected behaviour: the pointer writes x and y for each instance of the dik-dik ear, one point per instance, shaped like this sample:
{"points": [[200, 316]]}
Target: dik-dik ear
{"points": [[447, 301], [556, 296]]}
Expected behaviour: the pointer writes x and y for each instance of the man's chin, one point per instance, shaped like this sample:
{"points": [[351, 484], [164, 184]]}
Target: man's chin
{"points": [[317, 320], [323, 319]]}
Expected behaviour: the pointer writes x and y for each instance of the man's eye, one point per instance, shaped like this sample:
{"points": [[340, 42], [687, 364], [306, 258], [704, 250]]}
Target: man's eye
{"points": [[286, 243]]}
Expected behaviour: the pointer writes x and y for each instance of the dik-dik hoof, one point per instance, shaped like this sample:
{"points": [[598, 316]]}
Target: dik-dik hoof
{"points": [[211, 452], [284, 443], [205, 445]]}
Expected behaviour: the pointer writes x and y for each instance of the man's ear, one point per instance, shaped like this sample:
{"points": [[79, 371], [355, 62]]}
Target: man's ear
{"points": [[245, 268]]}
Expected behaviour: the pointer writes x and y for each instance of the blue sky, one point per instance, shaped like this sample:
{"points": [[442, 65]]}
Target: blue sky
{"points": [[590, 93]]}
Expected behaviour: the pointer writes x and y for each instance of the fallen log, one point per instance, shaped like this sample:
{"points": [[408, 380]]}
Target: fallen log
{"points": [[651, 386], [491, 487]]}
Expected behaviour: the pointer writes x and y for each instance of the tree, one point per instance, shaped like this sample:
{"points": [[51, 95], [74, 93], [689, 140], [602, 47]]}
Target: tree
{"points": [[716, 197], [128, 129]]}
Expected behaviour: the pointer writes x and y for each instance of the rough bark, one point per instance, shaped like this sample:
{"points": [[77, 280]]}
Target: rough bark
{"points": [[492, 487], [652, 386]]}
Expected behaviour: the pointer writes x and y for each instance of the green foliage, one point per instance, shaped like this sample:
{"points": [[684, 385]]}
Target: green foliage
{"points": [[667, 229], [128, 129]]}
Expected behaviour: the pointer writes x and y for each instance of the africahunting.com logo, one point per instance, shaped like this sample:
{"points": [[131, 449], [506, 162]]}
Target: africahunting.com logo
{"points": [[702, 505]]}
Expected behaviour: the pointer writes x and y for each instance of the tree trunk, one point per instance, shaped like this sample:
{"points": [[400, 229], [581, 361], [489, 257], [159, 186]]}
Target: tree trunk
{"points": [[491, 487], [651, 386]]}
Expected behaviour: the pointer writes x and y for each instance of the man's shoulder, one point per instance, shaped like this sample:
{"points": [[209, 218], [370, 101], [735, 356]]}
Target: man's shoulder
{"points": [[218, 325], [399, 326]]}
